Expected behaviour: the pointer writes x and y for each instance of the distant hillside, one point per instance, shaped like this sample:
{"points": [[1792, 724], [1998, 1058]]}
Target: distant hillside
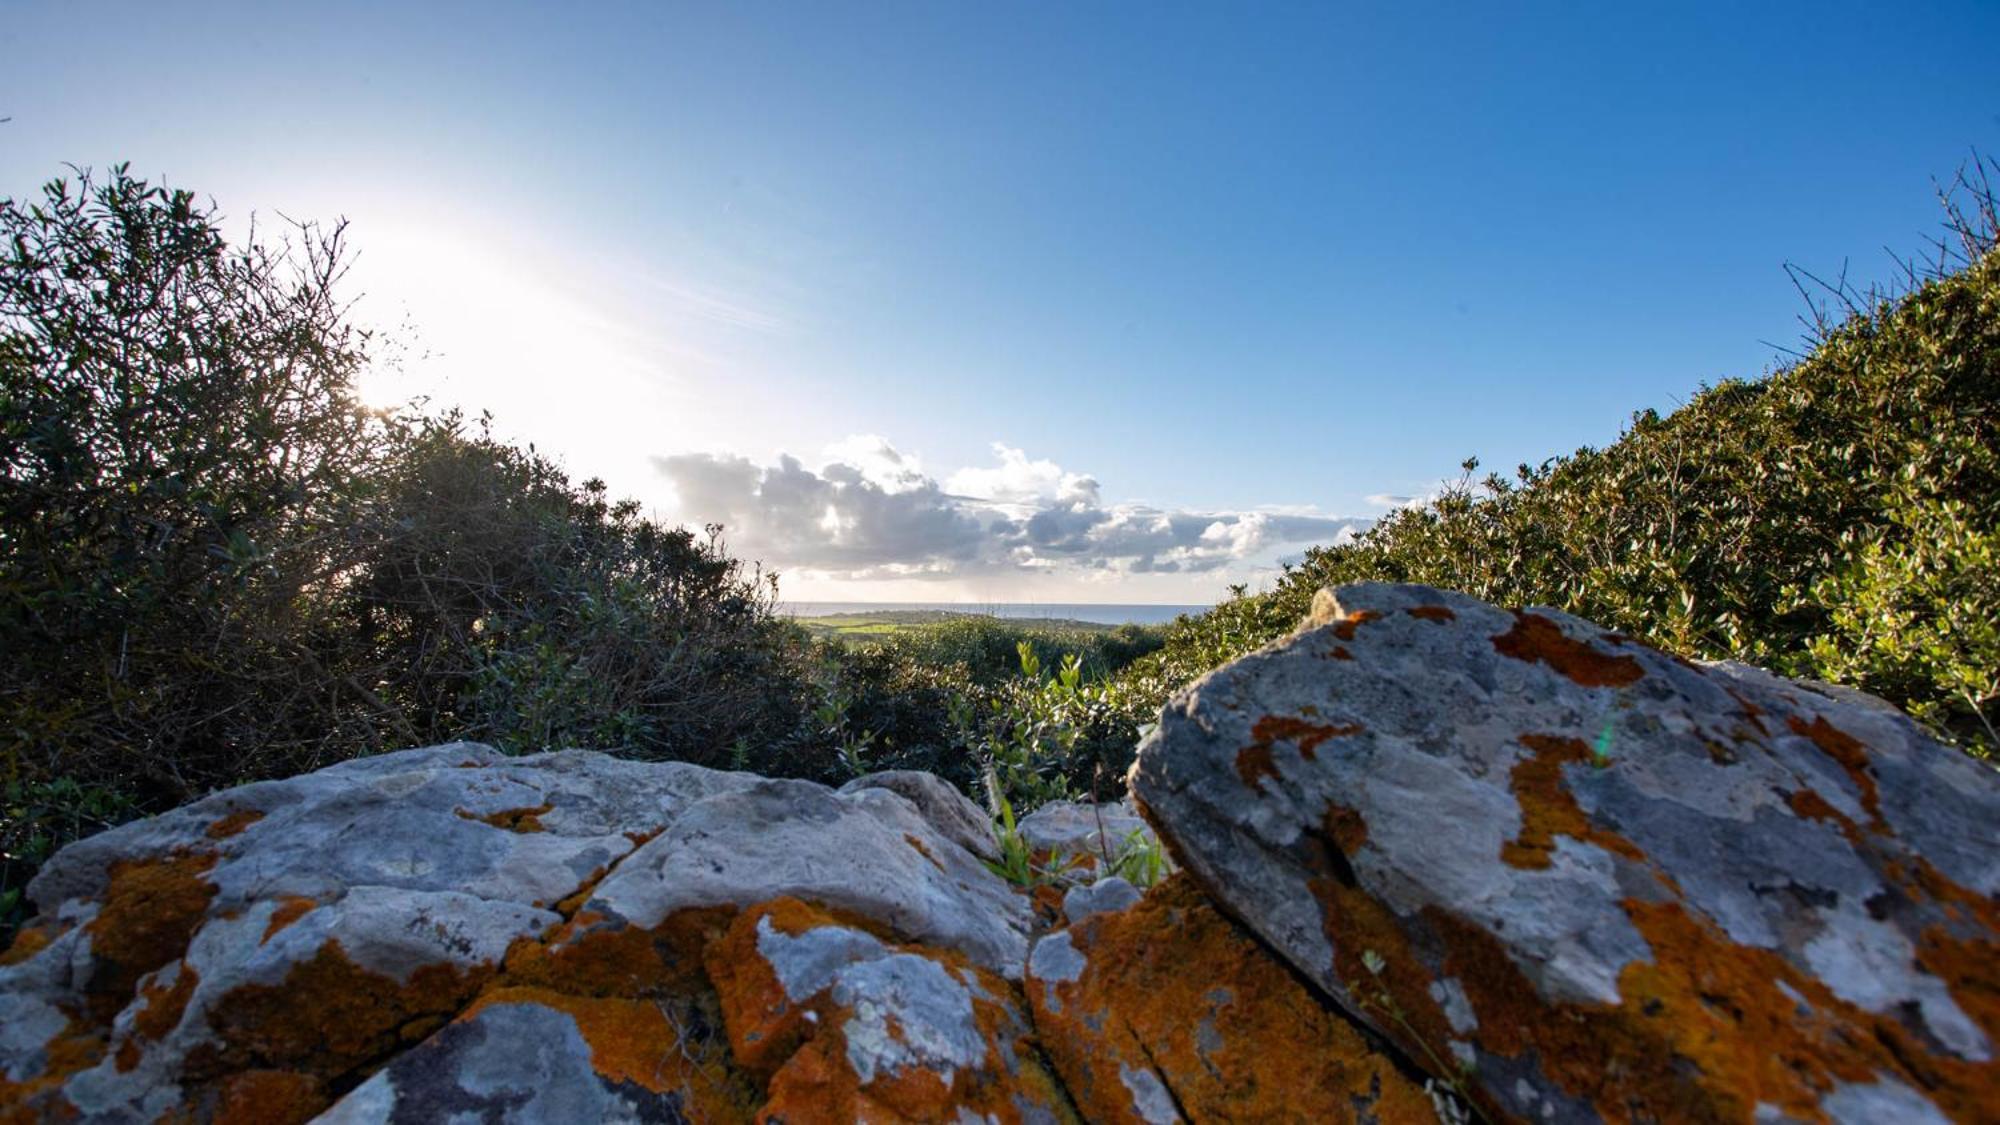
{"points": [[1838, 520], [878, 624]]}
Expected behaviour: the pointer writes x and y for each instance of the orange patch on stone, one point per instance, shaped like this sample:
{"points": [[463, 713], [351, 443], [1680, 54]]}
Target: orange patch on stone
{"points": [[1436, 613], [1344, 628], [593, 956], [151, 910], [1254, 762], [1305, 735], [798, 1044], [1537, 638], [290, 909], [922, 850], [233, 824], [1346, 829], [641, 1042], [329, 1016], [524, 819], [276, 1097], [1702, 1032], [1548, 809], [1340, 653], [164, 1006], [1852, 757], [76, 1047], [1172, 986], [31, 940]]}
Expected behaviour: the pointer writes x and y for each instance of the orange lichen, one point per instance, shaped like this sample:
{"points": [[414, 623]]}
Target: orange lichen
{"points": [[593, 956], [151, 909], [1305, 735], [1705, 1030], [1340, 653], [1344, 628], [1436, 613], [290, 909], [798, 1043], [1536, 638], [524, 819], [1254, 762], [572, 902], [164, 1005], [644, 1043], [328, 1016], [1548, 809], [1172, 986], [1850, 754], [922, 850], [35, 1098], [765, 1026], [1345, 828], [233, 824], [268, 1097], [31, 940]]}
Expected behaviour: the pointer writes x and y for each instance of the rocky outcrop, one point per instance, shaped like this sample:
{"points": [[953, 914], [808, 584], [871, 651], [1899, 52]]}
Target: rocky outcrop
{"points": [[1585, 880], [1166, 1011], [1436, 859], [541, 930]]}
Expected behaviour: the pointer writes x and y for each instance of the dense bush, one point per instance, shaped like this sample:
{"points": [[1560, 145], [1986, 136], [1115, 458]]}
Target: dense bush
{"points": [[216, 566], [1049, 715], [1837, 520]]}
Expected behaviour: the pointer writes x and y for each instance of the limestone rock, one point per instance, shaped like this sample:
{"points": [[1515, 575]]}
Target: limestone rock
{"points": [[847, 1025], [1169, 1012], [868, 851], [947, 810], [1079, 828], [1107, 895], [1601, 881], [250, 954]]}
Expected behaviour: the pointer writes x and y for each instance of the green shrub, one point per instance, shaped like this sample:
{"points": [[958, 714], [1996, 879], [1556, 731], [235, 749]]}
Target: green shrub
{"points": [[1834, 520], [216, 566]]}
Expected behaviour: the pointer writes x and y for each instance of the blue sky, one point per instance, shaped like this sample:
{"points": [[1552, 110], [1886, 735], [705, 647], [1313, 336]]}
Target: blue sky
{"points": [[1058, 302]]}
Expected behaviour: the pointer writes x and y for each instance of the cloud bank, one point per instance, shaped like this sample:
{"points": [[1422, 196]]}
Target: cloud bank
{"points": [[873, 512]]}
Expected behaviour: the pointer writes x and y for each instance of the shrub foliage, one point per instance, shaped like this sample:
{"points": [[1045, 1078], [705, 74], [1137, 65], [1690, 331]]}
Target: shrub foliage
{"points": [[1836, 520], [216, 566]]}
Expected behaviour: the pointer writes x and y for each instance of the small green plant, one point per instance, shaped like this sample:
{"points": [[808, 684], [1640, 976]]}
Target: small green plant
{"points": [[1017, 859], [1141, 859]]}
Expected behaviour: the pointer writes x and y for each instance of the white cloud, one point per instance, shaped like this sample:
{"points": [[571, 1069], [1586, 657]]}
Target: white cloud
{"points": [[871, 513], [1018, 480]]}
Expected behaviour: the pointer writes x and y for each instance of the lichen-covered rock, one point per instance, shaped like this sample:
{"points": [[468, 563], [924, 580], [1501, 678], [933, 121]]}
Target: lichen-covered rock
{"points": [[1169, 1012], [848, 1025], [252, 954], [1600, 881], [531, 1054], [868, 851]]}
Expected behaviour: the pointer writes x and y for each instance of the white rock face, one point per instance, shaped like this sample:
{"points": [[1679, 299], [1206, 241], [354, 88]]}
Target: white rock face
{"points": [[1513, 823], [389, 891]]}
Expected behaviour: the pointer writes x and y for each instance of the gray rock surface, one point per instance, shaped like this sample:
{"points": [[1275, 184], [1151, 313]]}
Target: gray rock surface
{"points": [[869, 851], [947, 810], [303, 930], [1603, 876], [1081, 828], [1106, 896]]}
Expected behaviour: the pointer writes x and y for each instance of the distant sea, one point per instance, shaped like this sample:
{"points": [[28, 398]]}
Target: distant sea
{"points": [[1098, 614]]}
